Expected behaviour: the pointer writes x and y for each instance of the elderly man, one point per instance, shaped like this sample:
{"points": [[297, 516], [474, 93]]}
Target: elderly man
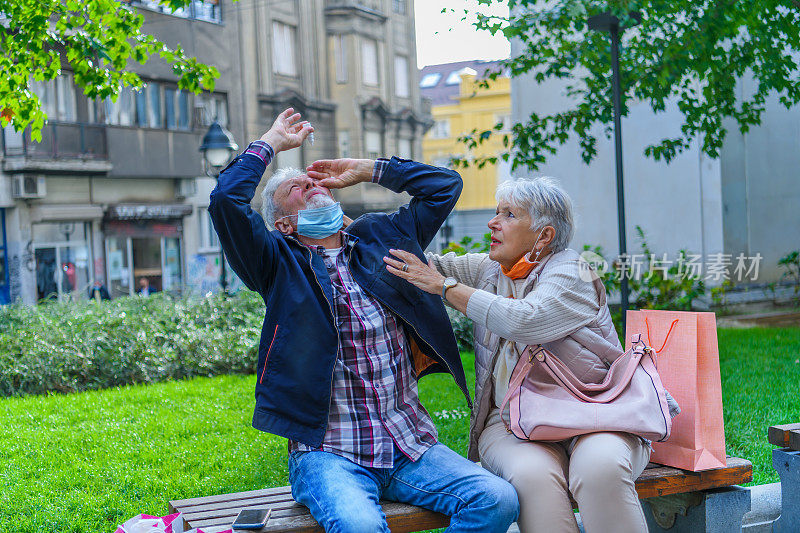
{"points": [[344, 341]]}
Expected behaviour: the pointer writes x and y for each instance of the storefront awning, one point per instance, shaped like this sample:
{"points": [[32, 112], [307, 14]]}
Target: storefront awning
{"points": [[49, 213], [147, 211]]}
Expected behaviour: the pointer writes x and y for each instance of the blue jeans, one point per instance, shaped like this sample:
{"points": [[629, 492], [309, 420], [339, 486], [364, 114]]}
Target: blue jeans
{"points": [[343, 496]]}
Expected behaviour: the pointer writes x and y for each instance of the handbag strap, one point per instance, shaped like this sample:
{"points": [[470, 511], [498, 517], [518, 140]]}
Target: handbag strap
{"points": [[519, 374], [517, 377], [562, 375]]}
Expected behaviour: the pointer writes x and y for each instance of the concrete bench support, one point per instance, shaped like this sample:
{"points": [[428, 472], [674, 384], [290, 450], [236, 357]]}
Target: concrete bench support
{"points": [[787, 463], [710, 511]]}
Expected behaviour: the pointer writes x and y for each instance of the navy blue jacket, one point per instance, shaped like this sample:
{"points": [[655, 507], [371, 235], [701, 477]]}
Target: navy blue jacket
{"points": [[299, 339]]}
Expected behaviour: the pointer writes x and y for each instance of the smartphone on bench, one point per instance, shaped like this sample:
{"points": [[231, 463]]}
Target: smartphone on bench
{"points": [[252, 518]]}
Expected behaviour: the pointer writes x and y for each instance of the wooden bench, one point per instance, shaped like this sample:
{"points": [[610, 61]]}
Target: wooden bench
{"points": [[216, 513]]}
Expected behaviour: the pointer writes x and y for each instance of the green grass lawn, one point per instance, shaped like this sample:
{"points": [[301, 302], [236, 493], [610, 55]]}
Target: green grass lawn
{"points": [[86, 462]]}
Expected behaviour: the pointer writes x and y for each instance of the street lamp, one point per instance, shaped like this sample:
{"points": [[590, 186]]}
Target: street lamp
{"points": [[218, 146], [610, 23]]}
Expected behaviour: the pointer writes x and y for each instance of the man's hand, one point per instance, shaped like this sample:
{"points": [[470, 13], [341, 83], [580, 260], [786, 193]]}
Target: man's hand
{"points": [[340, 173], [288, 131]]}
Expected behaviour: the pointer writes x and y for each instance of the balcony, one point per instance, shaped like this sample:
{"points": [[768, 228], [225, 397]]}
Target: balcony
{"points": [[65, 147]]}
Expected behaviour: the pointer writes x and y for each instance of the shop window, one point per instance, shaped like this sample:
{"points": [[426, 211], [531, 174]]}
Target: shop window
{"points": [[63, 260], [144, 263]]}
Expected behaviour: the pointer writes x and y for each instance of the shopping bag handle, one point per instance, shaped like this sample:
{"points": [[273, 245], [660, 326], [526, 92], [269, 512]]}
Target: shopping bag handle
{"points": [[649, 340]]}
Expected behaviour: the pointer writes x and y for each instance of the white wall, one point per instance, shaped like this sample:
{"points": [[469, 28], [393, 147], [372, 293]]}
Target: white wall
{"points": [[678, 205]]}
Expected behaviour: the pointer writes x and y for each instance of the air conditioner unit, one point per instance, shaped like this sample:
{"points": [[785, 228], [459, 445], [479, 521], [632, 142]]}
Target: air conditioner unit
{"points": [[28, 186], [186, 188]]}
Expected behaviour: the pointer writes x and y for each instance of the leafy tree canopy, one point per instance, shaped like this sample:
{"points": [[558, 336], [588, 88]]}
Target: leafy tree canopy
{"points": [[96, 38], [687, 51]]}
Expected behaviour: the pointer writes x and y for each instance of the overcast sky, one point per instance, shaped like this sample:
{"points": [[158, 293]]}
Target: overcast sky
{"points": [[445, 38]]}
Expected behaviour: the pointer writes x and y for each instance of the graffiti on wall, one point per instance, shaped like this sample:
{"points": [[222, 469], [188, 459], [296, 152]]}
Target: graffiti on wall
{"points": [[19, 258]]}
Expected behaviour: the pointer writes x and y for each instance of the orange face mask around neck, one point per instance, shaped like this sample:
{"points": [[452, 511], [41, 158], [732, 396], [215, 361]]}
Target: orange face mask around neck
{"points": [[521, 269]]}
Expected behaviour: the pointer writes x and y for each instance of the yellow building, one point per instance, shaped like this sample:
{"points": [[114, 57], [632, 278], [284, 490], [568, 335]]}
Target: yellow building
{"points": [[458, 106]]}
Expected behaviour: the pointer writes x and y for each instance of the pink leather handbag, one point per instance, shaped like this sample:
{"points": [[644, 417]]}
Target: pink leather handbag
{"points": [[548, 403]]}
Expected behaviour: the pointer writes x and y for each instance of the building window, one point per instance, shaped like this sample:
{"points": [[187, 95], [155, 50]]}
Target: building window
{"points": [[373, 142], [405, 149], [141, 108], [154, 112], [176, 109], [170, 118], [399, 6], [430, 80], [344, 144], [283, 49], [441, 129], [340, 57], [207, 10], [57, 97], [401, 76], [123, 111], [183, 110], [454, 78], [369, 62], [212, 108]]}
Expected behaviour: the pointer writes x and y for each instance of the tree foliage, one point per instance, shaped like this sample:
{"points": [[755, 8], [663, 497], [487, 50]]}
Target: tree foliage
{"points": [[691, 52], [95, 39]]}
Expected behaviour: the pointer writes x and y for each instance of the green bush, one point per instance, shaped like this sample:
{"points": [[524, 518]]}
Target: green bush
{"points": [[77, 346]]}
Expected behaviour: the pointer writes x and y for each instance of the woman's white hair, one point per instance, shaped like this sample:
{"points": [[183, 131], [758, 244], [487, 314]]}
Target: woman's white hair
{"points": [[271, 211], [547, 204]]}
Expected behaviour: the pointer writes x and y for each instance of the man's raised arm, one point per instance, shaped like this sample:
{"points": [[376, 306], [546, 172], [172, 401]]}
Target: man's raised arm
{"points": [[434, 190], [247, 242]]}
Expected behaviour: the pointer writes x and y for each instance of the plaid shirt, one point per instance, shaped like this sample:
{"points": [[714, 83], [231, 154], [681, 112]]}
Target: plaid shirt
{"points": [[374, 400]]}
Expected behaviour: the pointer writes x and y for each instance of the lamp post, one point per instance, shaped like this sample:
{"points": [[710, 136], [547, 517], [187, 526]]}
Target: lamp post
{"points": [[610, 23], [217, 147]]}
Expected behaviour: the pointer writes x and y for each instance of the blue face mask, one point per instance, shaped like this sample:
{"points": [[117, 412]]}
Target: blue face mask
{"points": [[320, 222]]}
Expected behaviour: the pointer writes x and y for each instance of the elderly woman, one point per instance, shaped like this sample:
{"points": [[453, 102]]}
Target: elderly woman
{"points": [[528, 291]]}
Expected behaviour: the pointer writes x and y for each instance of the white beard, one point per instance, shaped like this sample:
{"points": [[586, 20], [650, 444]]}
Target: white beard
{"points": [[319, 200]]}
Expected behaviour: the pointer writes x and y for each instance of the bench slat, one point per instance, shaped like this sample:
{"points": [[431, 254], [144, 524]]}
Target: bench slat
{"points": [[401, 518], [781, 436], [664, 480], [220, 510]]}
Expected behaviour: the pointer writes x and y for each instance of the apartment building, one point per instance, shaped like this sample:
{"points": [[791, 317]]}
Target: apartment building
{"points": [[460, 105], [115, 191]]}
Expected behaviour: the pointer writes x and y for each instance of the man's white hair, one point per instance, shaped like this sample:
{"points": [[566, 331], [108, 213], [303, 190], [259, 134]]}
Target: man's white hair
{"points": [[271, 211], [547, 204]]}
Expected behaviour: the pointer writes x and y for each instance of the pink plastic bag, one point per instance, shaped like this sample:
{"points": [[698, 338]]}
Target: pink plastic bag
{"points": [[145, 523]]}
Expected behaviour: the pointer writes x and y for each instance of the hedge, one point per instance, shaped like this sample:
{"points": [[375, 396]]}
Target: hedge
{"points": [[77, 346]]}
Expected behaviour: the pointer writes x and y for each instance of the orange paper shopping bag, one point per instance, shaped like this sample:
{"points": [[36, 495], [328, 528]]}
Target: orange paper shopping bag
{"points": [[688, 363]]}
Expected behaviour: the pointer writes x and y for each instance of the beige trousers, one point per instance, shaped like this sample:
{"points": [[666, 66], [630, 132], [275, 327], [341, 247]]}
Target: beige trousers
{"points": [[600, 472]]}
